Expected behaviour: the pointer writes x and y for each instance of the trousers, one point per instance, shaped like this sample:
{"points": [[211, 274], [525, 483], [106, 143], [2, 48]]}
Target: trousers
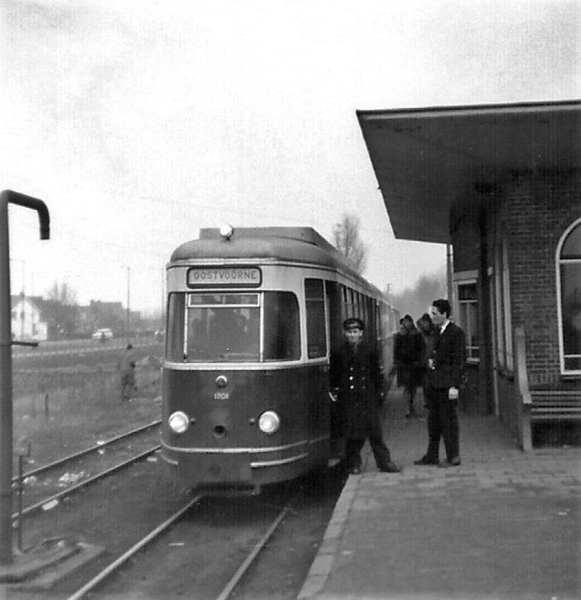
{"points": [[442, 423], [380, 451]]}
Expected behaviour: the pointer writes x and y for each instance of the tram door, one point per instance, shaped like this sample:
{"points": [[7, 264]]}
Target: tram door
{"points": [[335, 329], [317, 354]]}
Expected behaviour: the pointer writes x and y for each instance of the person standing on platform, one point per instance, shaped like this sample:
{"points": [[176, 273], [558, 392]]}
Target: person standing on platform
{"points": [[408, 357], [446, 367], [357, 381], [429, 334]]}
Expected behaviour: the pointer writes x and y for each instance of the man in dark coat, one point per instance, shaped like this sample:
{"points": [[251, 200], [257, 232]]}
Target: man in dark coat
{"points": [[357, 380], [444, 376], [408, 358], [126, 366]]}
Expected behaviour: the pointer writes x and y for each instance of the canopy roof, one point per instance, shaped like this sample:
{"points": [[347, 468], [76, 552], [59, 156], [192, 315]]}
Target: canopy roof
{"points": [[425, 159]]}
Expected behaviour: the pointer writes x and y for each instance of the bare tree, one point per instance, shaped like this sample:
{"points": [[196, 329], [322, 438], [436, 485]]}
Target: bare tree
{"points": [[61, 308], [348, 242], [62, 293], [416, 301]]}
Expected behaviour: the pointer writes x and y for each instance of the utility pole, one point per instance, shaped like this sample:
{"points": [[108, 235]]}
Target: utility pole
{"points": [[162, 304], [22, 321], [128, 317], [6, 410]]}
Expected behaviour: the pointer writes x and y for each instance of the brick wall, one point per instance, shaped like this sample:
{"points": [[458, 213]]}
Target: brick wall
{"points": [[538, 209]]}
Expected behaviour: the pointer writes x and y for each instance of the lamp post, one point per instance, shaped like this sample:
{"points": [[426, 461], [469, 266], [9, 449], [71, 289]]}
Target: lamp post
{"points": [[6, 420]]}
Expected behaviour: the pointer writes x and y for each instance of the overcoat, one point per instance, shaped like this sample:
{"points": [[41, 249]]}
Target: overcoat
{"points": [[409, 358], [358, 379], [449, 359]]}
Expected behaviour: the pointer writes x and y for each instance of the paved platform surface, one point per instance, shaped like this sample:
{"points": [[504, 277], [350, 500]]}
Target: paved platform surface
{"points": [[503, 525]]}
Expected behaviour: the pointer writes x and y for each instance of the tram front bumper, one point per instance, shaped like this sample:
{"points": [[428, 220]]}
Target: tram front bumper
{"points": [[194, 469]]}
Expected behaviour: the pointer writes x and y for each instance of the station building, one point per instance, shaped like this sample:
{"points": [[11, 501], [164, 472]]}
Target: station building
{"points": [[501, 186]]}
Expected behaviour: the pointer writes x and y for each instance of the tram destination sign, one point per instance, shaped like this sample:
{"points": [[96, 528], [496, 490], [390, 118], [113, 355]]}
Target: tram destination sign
{"points": [[205, 277]]}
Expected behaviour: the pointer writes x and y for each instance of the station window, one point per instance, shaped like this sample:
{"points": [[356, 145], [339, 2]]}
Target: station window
{"points": [[316, 328], [502, 303], [569, 292], [468, 317]]}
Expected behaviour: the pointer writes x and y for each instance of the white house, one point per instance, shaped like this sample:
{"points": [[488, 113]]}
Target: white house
{"points": [[27, 320]]}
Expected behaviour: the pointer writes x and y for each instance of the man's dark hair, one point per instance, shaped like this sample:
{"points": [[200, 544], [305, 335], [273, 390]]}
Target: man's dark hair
{"points": [[129, 346], [443, 306]]}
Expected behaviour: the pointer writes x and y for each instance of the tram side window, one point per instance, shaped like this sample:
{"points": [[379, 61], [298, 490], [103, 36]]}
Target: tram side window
{"points": [[344, 303], [176, 311], [316, 332], [281, 326]]}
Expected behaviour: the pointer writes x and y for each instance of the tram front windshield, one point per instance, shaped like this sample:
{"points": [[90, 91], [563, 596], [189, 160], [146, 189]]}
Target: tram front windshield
{"points": [[226, 327]]}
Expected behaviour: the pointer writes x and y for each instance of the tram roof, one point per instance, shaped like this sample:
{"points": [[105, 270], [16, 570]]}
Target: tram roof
{"points": [[288, 244], [426, 158]]}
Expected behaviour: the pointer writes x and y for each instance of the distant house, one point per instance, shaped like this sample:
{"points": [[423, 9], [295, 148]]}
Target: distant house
{"points": [[107, 314], [87, 322], [28, 318]]}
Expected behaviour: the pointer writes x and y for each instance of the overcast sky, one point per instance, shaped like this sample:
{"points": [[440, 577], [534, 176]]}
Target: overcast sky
{"points": [[138, 122]]}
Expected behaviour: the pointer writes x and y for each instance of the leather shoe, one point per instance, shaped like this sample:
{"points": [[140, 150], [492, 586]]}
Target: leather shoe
{"points": [[426, 461], [390, 468], [455, 462]]}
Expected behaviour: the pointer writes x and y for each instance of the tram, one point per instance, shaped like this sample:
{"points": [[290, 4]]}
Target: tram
{"points": [[253, 315]]}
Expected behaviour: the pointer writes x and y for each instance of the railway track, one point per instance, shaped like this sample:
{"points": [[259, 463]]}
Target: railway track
{"points": [[161, 541], [229, 583], [90, 459]]}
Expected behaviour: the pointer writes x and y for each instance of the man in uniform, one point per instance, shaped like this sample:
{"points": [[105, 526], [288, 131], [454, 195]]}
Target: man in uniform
{"points": [[356, 378]]}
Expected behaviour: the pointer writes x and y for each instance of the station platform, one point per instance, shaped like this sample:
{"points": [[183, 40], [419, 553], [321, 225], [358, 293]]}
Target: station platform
{"points": [[503, 525]]}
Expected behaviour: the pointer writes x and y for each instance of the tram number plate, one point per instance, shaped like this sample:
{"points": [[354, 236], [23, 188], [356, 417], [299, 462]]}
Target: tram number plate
{"points": [[226, 468], [221, 396]]}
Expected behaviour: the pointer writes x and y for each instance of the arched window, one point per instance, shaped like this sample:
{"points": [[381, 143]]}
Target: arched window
{"points": [[569, 293]]}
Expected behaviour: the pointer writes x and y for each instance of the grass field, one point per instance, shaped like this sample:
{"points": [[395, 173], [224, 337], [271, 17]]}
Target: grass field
{"points": [[77, 409]]}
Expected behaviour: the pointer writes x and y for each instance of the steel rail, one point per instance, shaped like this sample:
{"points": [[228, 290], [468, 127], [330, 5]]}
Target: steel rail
{"points": [[243, 568], [94, 448], [231, 585], [89, 586], [86, 482]]}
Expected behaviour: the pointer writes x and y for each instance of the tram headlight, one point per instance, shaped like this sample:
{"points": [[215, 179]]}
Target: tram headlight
{"points": [[269, 422], [178, 422]]}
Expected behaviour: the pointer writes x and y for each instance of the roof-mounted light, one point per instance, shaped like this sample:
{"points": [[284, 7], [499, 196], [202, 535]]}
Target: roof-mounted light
{"points": [[226, 231]]}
